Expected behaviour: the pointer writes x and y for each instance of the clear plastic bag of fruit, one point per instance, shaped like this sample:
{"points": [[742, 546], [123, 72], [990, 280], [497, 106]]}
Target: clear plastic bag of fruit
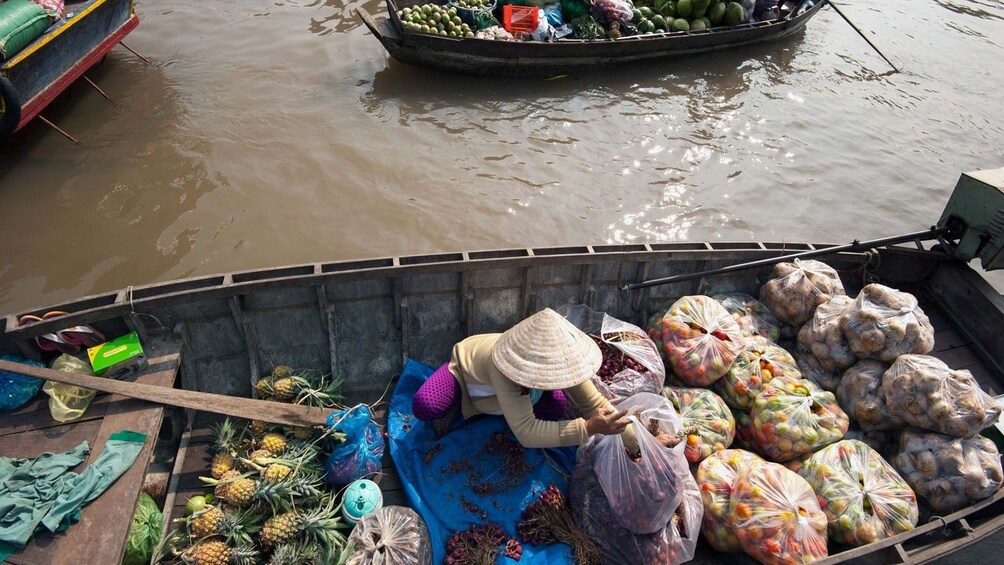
{"points": [[925, 392], [865, 500], [716, 477], [776, 516], [948, 473], [813, 372], [643, 491], [796, 289], [392, 535], [759, 362], [674, 543], [752, 316], [631, 360], [706, 418], [792, 417], [700, 340], [884, 323], [68, 402], [612, 11], [859, 395], [822, 335], [745, 432]]}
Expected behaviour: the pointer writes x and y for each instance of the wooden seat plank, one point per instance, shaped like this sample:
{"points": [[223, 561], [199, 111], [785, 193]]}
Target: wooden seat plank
{"points": [[100, 535]]}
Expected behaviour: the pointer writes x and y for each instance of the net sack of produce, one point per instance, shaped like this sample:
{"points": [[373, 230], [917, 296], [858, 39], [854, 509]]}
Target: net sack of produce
{"points": [[864, 498], [672, 544], [796, 289], [643, 492], [392, 535], [16, 390], [752, 316], [144, 532], [631, 360], [759, 362], [700, 340], [884, 323], [776, 516], [859, 395], [813, 372], [611, 11], [358, 456], [949, 473], [716, 477], [707, 421], [822, 335], [925, 392], [792, 417]]}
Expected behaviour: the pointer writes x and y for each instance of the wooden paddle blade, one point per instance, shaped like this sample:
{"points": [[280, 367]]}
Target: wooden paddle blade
{"points": [[272, 412]]}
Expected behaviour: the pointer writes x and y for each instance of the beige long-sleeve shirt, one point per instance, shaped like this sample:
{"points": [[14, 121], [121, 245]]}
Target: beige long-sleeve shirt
{"points": [[487, 391]]}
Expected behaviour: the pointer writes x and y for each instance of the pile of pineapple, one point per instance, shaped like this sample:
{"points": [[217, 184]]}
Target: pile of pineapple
{"points": [[284, 384], [269, 503]]}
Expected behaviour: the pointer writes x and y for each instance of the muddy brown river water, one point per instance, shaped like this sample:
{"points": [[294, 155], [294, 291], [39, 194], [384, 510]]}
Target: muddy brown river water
{"points": [[276, 133]]}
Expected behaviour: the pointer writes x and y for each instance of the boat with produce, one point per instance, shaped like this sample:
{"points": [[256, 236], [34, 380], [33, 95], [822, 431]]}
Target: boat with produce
{"points": [[919, 345], [54, 51], [480, 40]]}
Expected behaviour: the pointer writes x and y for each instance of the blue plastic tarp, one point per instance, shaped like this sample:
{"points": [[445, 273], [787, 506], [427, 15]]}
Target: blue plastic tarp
{"points": [[443, 497]]}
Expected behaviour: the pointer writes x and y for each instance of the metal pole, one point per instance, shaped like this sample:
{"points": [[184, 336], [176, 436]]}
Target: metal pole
{"points": [[55, 127], [135, 53], [856, 245], [846, 19], [96, 87]]}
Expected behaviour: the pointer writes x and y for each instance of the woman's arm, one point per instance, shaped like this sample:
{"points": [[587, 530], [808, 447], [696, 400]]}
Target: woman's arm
{"points": [[589, 400], [531, 432]]}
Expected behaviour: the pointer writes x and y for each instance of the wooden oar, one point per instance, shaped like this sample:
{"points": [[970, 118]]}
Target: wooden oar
{"points": [[272, 412]]}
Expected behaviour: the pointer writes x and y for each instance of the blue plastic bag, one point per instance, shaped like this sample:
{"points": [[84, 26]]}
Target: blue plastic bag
{"points": [[359, 455], [16, 390]]}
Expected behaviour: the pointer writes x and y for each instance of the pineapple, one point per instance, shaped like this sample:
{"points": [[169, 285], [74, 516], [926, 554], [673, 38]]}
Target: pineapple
{"points": [[240, 492], [285, 389], [276, 472], [319, 526], [259, 454], [273, 443], [258, 428], [264, 388], [235, 526], [301, 553], [281, 372], [216, 552], [301, 433], [224, 436], [222, 462], [206, 523], [223, 484]]}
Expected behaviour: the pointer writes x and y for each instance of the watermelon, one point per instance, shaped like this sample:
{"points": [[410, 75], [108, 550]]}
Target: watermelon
{"points": [[668, 11], [734, 14], [681, 24], [659, 22], [716, 13], [646, 12]]}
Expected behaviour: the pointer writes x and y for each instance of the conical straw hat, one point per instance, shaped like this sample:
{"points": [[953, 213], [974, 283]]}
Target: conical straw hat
{"points": [[546, 352]]}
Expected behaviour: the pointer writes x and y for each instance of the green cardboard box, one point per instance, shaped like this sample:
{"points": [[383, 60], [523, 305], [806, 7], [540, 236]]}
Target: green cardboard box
{"points": [[119, 357]]}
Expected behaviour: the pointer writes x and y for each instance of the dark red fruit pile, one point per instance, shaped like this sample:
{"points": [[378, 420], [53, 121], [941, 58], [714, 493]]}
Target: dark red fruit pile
{"points": [[513, 550], [614, 360], [477, 545]]}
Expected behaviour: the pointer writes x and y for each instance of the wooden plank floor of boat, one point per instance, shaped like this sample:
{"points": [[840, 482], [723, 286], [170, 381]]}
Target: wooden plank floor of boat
{"points": [[100, 535]]}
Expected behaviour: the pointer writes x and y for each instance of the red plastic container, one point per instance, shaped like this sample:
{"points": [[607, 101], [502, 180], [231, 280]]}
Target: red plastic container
{"points": [[520, 18]]}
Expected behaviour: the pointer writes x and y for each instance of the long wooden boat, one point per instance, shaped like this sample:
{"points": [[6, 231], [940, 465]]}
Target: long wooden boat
{"points": [[34, 77], [489, 57], [362, 319]]}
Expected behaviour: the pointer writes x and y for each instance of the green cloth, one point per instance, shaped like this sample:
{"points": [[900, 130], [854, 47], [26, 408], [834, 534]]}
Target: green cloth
{"points": [[43, 492]]}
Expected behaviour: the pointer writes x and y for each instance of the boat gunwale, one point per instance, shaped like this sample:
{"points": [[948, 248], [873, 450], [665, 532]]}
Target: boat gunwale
{"points": [[119, 303]]}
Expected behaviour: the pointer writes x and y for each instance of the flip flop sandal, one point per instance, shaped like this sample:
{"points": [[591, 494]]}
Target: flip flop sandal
{"points": [[81, 336], [49, 342]]}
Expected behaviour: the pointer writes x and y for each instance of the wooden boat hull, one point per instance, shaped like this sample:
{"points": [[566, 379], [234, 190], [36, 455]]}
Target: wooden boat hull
{"points": [[514, 58], [362, 319], [49, 65]]}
